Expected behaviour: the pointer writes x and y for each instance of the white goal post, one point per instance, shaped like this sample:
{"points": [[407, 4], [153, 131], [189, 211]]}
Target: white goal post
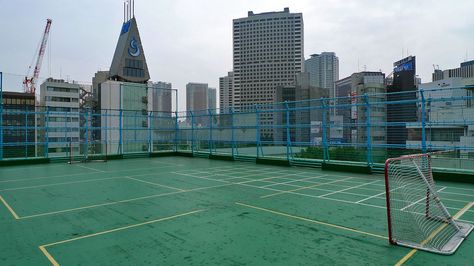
{"points": [[416, 216]]}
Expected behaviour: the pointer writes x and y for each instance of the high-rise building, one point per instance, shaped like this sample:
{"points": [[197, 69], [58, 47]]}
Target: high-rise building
{"points": [[18, 125], [350, 92], [323, 70], [197, 101], [308, 117], [58, 123], [211, 98], [226, 95], [268, 53], [403, 88], [161, 97], [123, 95]]}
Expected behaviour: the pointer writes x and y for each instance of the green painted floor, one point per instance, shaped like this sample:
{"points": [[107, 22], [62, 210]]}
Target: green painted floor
{"points": [[193, 211]]}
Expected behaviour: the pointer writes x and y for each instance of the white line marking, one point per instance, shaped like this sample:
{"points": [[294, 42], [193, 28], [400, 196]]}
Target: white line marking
{"points": [[152, 183], [349, 188], [420, 200], [90, 168]]}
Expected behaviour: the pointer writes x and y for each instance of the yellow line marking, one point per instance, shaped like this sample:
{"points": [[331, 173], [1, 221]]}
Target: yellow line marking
{"points": [[121, 201], [413, 251], [9, 208], [55, 263], [50, 258], [313, 221], [302, 188], [155, 184]]}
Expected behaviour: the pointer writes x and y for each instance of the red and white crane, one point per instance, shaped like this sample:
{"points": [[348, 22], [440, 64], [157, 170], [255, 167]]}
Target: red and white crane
{"points": [[29, 84]]}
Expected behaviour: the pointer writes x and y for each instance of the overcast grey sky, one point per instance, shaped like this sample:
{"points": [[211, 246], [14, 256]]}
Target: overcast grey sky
{"points": [[191, 40]]}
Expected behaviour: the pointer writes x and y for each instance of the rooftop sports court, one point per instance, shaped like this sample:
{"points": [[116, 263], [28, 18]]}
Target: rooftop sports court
{"points": [[195, 211]]}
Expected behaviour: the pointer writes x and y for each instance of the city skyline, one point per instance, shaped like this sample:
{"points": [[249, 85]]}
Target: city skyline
{"points": [[369, 46]]}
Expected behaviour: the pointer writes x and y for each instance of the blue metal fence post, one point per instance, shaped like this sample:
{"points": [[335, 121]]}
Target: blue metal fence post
{"points": [[46, 129], [209, 142], [288, 136], [106, 133], [232, 131], [66, 135], [120, 132], [324, 128], [423, 122], [368, 126], [86, 148], [257, 127], [150, 141], [26, 132], [176, 128], [192, 131], [1, 115]]}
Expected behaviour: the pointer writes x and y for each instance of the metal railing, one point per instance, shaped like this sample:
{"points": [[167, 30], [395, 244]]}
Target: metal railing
{"points": [[365, 129]]}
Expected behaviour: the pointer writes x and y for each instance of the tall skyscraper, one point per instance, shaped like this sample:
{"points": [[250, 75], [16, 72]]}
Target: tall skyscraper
{"points": [[197, 101], [268, 52], [226, 92], [324, 71], [161, 97], [212, 98], [403, 87]]}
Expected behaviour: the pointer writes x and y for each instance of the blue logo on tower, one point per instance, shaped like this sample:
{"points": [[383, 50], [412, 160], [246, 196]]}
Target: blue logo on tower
{"points": [[134, 50]]}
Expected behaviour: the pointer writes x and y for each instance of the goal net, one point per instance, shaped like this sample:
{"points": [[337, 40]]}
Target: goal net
{"points": [[84, 153], [416, 216]]}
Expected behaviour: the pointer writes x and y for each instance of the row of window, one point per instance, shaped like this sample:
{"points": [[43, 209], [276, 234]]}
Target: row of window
{"points": [[61, 99], [133, 72], [133, 63], [18, 101], [62, 139], [58, 89], [268, 20], [63, 119]]}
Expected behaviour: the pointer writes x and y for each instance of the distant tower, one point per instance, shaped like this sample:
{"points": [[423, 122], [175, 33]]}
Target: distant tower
{"points": [[323, 70], [129, 63]]}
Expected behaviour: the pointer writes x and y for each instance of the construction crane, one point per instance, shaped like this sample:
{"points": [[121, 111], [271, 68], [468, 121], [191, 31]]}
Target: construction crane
{"points": [[29, 84]]}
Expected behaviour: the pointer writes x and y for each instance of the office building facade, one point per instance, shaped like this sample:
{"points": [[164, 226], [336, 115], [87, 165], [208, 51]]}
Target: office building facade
{"points": [[308, 116], [58, 123], [226, 92], [18, 125], [466, 70], [324, 71], [267, 53], [403, 88]]}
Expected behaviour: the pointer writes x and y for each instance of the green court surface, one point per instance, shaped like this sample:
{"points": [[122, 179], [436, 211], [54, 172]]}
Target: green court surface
{"points": [[194, 211]]}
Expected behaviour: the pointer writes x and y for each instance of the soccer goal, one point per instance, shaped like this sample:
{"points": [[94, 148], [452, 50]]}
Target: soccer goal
{"points": [[81, 153], [416, 216]]}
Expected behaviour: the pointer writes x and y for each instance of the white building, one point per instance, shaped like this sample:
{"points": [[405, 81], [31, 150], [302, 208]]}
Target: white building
{"points": [[268, 53], [324, 71], [124, 115], [226, 87], [58, 124], [448, 116]]}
